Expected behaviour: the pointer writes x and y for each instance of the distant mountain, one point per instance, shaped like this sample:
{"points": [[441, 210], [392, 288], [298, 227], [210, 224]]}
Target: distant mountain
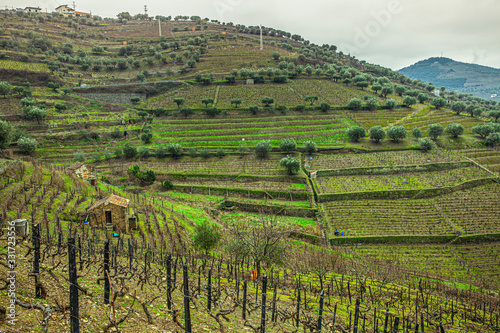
{"points": [[482, 81]]}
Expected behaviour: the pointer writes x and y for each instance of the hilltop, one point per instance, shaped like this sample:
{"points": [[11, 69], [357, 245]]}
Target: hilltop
{"points": [[482, 81]]}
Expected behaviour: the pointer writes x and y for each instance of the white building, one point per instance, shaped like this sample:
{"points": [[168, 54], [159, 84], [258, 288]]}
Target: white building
{"points": [[32, 10]]}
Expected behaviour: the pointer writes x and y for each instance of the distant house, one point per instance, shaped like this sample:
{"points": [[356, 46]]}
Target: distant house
{"points": [[65, 10], [32, 10], [82, 171], [112, 213]]}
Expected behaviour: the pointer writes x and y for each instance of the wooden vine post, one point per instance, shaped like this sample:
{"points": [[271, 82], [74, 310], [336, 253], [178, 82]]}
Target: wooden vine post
{"points": [[106, 272], [187, 311], [263, 305], [73, 288]]}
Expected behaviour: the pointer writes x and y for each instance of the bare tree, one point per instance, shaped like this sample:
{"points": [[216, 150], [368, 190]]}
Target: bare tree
{"points": [[263, 241]]}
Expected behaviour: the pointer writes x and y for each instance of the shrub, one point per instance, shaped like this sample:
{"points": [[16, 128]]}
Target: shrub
{"points": [[206, 236], [409, 100], [135, 100], [27, 145], [482, 130], [96, 156], [79, 156], [116, 134], [220, 152], [254, 109], [263, 148], [417, 133], [291, 164], [300, 107], [17, 133], [142, 114], [435, 131], [493, 139], [193, 152], [175, 150], [161, 152], [426, 144], [355, 104], [454, 130], [396, 133], [6, 133], [242, 150], [372, 103], [355, 133], [146, 137], [60, 107], [438, 102], [118, 152], [212, 112], [129, 150], [144, 152], [205, 152], [267, 101], [377, 133], [288, 145], [167, 185], [186, 112], [108, 154], [282, 108], [310, 147], [325, 107]]}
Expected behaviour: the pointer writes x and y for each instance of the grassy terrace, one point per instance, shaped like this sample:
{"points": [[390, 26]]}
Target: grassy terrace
{"points": [[230, 165], [382, 159], [383, 118], [425, 258], [385, 218], [401, 181], [440, 117], [474, 211], [485, 156], [483, 260], [231, 130]]}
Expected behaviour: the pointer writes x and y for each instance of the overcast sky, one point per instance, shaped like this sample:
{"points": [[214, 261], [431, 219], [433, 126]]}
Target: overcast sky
{"points": [[392, 33]]}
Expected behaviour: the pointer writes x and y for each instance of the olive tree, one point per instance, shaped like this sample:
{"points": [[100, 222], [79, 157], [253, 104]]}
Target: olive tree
{"points": [[355, 133], [454, 130], [291, 164], [310, 147], [27, 145], [426, 144], [206, 236], [288, 145], [396, 133], [175, 150], [263, 148], [377, 133], [435, 131], [6, 132]]}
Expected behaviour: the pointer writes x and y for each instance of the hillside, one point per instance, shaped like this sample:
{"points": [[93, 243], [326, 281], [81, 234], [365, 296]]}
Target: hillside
{"points": [[238, 162], [481, 81]]}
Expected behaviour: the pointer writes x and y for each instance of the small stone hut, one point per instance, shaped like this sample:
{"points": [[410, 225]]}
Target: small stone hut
{"points": [[111, 213], [81, 170]]}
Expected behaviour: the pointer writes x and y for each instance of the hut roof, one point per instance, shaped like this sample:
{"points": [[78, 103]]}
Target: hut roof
{"points": [[111, 199], [75, 165]]}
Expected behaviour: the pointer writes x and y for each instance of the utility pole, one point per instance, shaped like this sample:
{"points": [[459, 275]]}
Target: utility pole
{"points": [[159, 26], [146, 10], [74, 6], [261, 43]]}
